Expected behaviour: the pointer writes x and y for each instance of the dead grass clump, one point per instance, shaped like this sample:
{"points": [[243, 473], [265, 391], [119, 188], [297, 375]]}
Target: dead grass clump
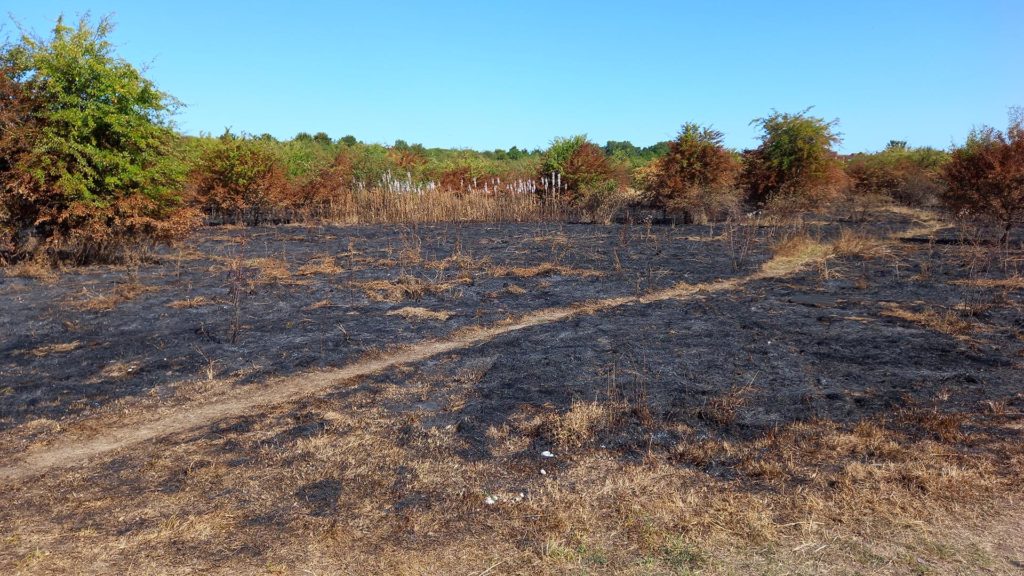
{"points": [[38, 268], [859, 245], [42, 351], [416, 313], [723, 410], [320, 265], [117, 370], [406, 287], [269, 270], [947, 322], [325, 303], [1014, 283], [794, 253], [581, 425], [943, 426], [543, 269], [196, 302], [122, 293]]}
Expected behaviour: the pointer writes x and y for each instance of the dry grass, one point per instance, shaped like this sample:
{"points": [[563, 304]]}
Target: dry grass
{"points": [[543, 269], [321, 265], [269, 270], [416, 313], [196, 302], [406, 287], [795, 252], [1013, 283], [947, 321], [42, 351], [36, 268], [390, 493], [107, 302], [851, 243]]}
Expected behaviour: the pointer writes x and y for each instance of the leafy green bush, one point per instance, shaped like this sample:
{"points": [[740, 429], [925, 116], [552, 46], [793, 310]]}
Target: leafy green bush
{"points": [[795, 164], [89, 168], [695, 177], [910, 176], [985, 177]]}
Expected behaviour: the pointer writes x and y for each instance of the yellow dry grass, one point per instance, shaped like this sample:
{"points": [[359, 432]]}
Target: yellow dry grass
{"points": [[856, 244], [61, 348], [416, 313], [107, 302], [543, 269], [195, 302], [947, 321], [1012, 283], [321, 265]]}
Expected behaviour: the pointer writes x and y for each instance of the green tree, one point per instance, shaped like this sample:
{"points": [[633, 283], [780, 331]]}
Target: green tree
{"points": [[795, 160], [96, 165]]}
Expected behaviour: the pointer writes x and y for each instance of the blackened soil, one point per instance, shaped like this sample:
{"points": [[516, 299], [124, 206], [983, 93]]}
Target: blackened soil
{"points": [[100, 335]]}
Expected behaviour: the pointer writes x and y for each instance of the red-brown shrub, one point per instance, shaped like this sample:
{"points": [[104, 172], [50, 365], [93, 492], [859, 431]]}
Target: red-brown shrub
{"points": [[695, 177], [329, 192], [239, 180], [985, 177]]}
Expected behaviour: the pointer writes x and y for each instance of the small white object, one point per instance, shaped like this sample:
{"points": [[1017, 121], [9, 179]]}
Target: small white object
{"points": [[490, 501], [547, 454], [543, 472]]}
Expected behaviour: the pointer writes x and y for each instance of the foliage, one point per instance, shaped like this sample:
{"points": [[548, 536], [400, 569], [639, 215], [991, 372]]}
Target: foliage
{"points": [[239, 179], [626, 152], [911, 176], [985, 176], [89, 165], [329, 191], [794, 162], [573, 165], [695, 177]]}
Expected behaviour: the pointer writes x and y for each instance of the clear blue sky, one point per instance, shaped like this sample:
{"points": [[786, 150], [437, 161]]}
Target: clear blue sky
{"points": [[487, 74]]}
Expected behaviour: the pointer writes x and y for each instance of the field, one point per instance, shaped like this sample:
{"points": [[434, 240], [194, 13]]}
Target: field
{"points": [[828, 396]]}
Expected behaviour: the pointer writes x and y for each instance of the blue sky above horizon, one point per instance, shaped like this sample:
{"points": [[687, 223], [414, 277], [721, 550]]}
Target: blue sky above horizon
{"points": [[491, 75]]}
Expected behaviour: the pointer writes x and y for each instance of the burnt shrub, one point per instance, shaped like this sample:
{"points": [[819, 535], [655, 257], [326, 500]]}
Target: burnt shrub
{"points": [[985, 177], [695, 178], [910, 176], [238, 179], [577, 172], [328, 193], [90, 169], [795, 166]]}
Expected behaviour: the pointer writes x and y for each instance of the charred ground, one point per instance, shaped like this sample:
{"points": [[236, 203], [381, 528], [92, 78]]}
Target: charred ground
{"points": [[863, 413]]}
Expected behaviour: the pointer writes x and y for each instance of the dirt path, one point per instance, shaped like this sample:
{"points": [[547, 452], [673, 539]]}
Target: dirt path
{"points": [[277, 391]]}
